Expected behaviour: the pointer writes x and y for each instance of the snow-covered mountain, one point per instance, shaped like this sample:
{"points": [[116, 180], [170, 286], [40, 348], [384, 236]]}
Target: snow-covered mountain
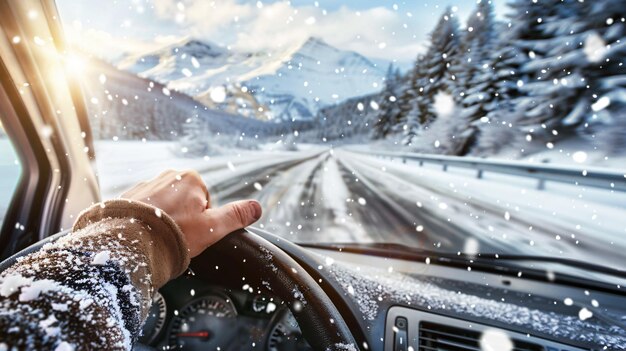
{"points": [[293, 83]]}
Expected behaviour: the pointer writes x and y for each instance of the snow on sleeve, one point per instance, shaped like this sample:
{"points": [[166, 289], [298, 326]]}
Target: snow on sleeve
{"points": [[101, 258], [96, 278], [64, 346], [33, 290], [12, 283]]}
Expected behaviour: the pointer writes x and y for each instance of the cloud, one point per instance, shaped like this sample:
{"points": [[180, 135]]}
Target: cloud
{"points": [[104, 45], [202, 17], [389, 32], [378, 32]]}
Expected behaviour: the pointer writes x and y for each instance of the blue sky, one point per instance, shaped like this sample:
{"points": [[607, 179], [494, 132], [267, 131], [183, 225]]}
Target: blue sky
{"points": [[388, 30]]}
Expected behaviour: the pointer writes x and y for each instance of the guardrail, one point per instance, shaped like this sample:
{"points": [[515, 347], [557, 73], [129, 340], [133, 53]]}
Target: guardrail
{"points": [[585, 176]]}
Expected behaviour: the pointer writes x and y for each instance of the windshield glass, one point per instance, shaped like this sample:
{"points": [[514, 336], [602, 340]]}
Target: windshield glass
{"points": [[456, 126]]}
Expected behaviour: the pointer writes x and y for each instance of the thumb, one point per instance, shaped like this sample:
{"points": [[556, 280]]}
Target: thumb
{"points": [[233, 216]]}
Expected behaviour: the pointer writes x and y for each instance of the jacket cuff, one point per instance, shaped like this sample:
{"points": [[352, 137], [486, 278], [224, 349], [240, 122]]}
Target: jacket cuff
{"points": [[165, 247]]}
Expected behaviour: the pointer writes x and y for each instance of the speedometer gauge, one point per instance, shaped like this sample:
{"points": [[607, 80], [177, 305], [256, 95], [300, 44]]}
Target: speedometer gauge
{"points": [[286, 334], [155, 320], [207, 323]]}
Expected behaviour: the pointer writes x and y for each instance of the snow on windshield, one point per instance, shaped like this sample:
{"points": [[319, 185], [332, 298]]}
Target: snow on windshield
{"points": [[363, 122]]}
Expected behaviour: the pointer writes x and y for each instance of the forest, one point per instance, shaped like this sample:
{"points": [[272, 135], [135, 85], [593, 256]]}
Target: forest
{"points": [[550, 71], [546, 71]]}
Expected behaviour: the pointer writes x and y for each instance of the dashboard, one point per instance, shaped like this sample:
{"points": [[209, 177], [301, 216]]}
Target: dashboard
{"points": [[388, 304], [190, 314], [406, 305]]}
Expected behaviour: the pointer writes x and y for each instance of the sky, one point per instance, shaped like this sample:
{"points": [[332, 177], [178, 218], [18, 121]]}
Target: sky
{"points": [[385, 30]]}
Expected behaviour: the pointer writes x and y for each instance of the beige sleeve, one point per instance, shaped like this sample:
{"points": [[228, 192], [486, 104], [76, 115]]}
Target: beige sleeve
{"points": [[91, 289], [150, 230]]}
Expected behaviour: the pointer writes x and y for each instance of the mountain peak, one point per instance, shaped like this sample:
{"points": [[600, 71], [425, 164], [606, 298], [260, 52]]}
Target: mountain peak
{"points": [[313, 46], [314, 41], [197, 48], [195, 66]]}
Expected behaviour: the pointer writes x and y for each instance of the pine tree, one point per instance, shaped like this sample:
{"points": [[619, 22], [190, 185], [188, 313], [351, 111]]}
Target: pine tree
{"points": [[476, 86], [388, 105], [405, 101], [501, 125], [475, 78], [431, 74], [440, 58], [606, 73], [604, 37], [195, 139], [411, 111], [575, 50], [434, 75]]}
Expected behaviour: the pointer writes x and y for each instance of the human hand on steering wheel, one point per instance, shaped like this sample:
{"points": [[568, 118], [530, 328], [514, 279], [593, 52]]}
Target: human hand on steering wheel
{"points": [[183, 195]]}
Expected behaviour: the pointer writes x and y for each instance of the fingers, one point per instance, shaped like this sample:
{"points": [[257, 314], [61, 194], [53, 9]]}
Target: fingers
{"points": [[184, 196], [194, 178], [233, 216]]}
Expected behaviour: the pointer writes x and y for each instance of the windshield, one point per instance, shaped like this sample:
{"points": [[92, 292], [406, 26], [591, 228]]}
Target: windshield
{"points": [[455, 126]]}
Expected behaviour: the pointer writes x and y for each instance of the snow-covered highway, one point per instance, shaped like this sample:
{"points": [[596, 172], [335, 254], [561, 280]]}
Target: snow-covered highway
{"points": [[323, 195], [341, 196]]}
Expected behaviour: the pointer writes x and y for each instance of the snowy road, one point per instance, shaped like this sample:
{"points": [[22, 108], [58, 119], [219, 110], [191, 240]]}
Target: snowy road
{"points": [[343, 197], [323, 195]]}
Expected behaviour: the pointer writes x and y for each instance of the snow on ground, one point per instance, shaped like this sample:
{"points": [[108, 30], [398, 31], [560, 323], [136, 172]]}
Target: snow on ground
{"points": [[576, 152], [321, 195], [120, 164], [576, 222], [335, 195], [569, 152]]}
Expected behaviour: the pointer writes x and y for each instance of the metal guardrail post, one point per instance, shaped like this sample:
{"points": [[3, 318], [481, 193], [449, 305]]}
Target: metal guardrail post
{"points": [[541, 185]]}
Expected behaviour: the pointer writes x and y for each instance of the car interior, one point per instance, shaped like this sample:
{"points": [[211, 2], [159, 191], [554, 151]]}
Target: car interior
{"points": [[262, 288]]}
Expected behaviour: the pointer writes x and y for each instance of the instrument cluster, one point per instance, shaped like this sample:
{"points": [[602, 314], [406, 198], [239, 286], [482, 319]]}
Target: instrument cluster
{"points": [[189, 314]]}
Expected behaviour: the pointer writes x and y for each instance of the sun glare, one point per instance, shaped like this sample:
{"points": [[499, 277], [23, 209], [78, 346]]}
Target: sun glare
{"points": [[74, 63]]}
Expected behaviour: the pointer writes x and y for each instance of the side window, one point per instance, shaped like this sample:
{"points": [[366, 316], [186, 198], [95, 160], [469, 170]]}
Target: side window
{"points": [[10, 171]]}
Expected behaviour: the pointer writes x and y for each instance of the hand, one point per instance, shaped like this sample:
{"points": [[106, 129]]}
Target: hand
{"points": [[184, 197]]}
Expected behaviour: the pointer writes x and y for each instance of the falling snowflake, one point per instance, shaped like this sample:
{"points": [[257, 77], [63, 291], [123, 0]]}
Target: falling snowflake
{"points": [[594, 47]]}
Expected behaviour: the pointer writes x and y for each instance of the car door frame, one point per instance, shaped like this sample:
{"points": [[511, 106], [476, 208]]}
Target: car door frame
{"points": [[46, 120]]}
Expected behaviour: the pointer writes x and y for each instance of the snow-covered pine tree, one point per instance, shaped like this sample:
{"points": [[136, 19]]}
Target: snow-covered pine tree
{"points": [[195, 139], [471, 53], [475, 86], [416, 112], [500, 128], [575, 55], [442, 53], [407, 92], [545, 101], [511, 52], [388, 105], [351, 118], [613, 135], [604, 47], [476, 75], [438, 71]]}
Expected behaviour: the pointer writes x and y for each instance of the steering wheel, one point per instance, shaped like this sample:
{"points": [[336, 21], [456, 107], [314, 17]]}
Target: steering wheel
{"points": [[253, 260]]}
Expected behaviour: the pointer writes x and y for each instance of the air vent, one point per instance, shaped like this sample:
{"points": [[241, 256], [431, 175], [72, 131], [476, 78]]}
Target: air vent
{"points": [[439, 337]]}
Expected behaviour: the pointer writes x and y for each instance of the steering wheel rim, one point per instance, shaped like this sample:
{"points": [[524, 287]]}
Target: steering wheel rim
{"points": [[320, 322], [9, 261], [256, 262]]}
